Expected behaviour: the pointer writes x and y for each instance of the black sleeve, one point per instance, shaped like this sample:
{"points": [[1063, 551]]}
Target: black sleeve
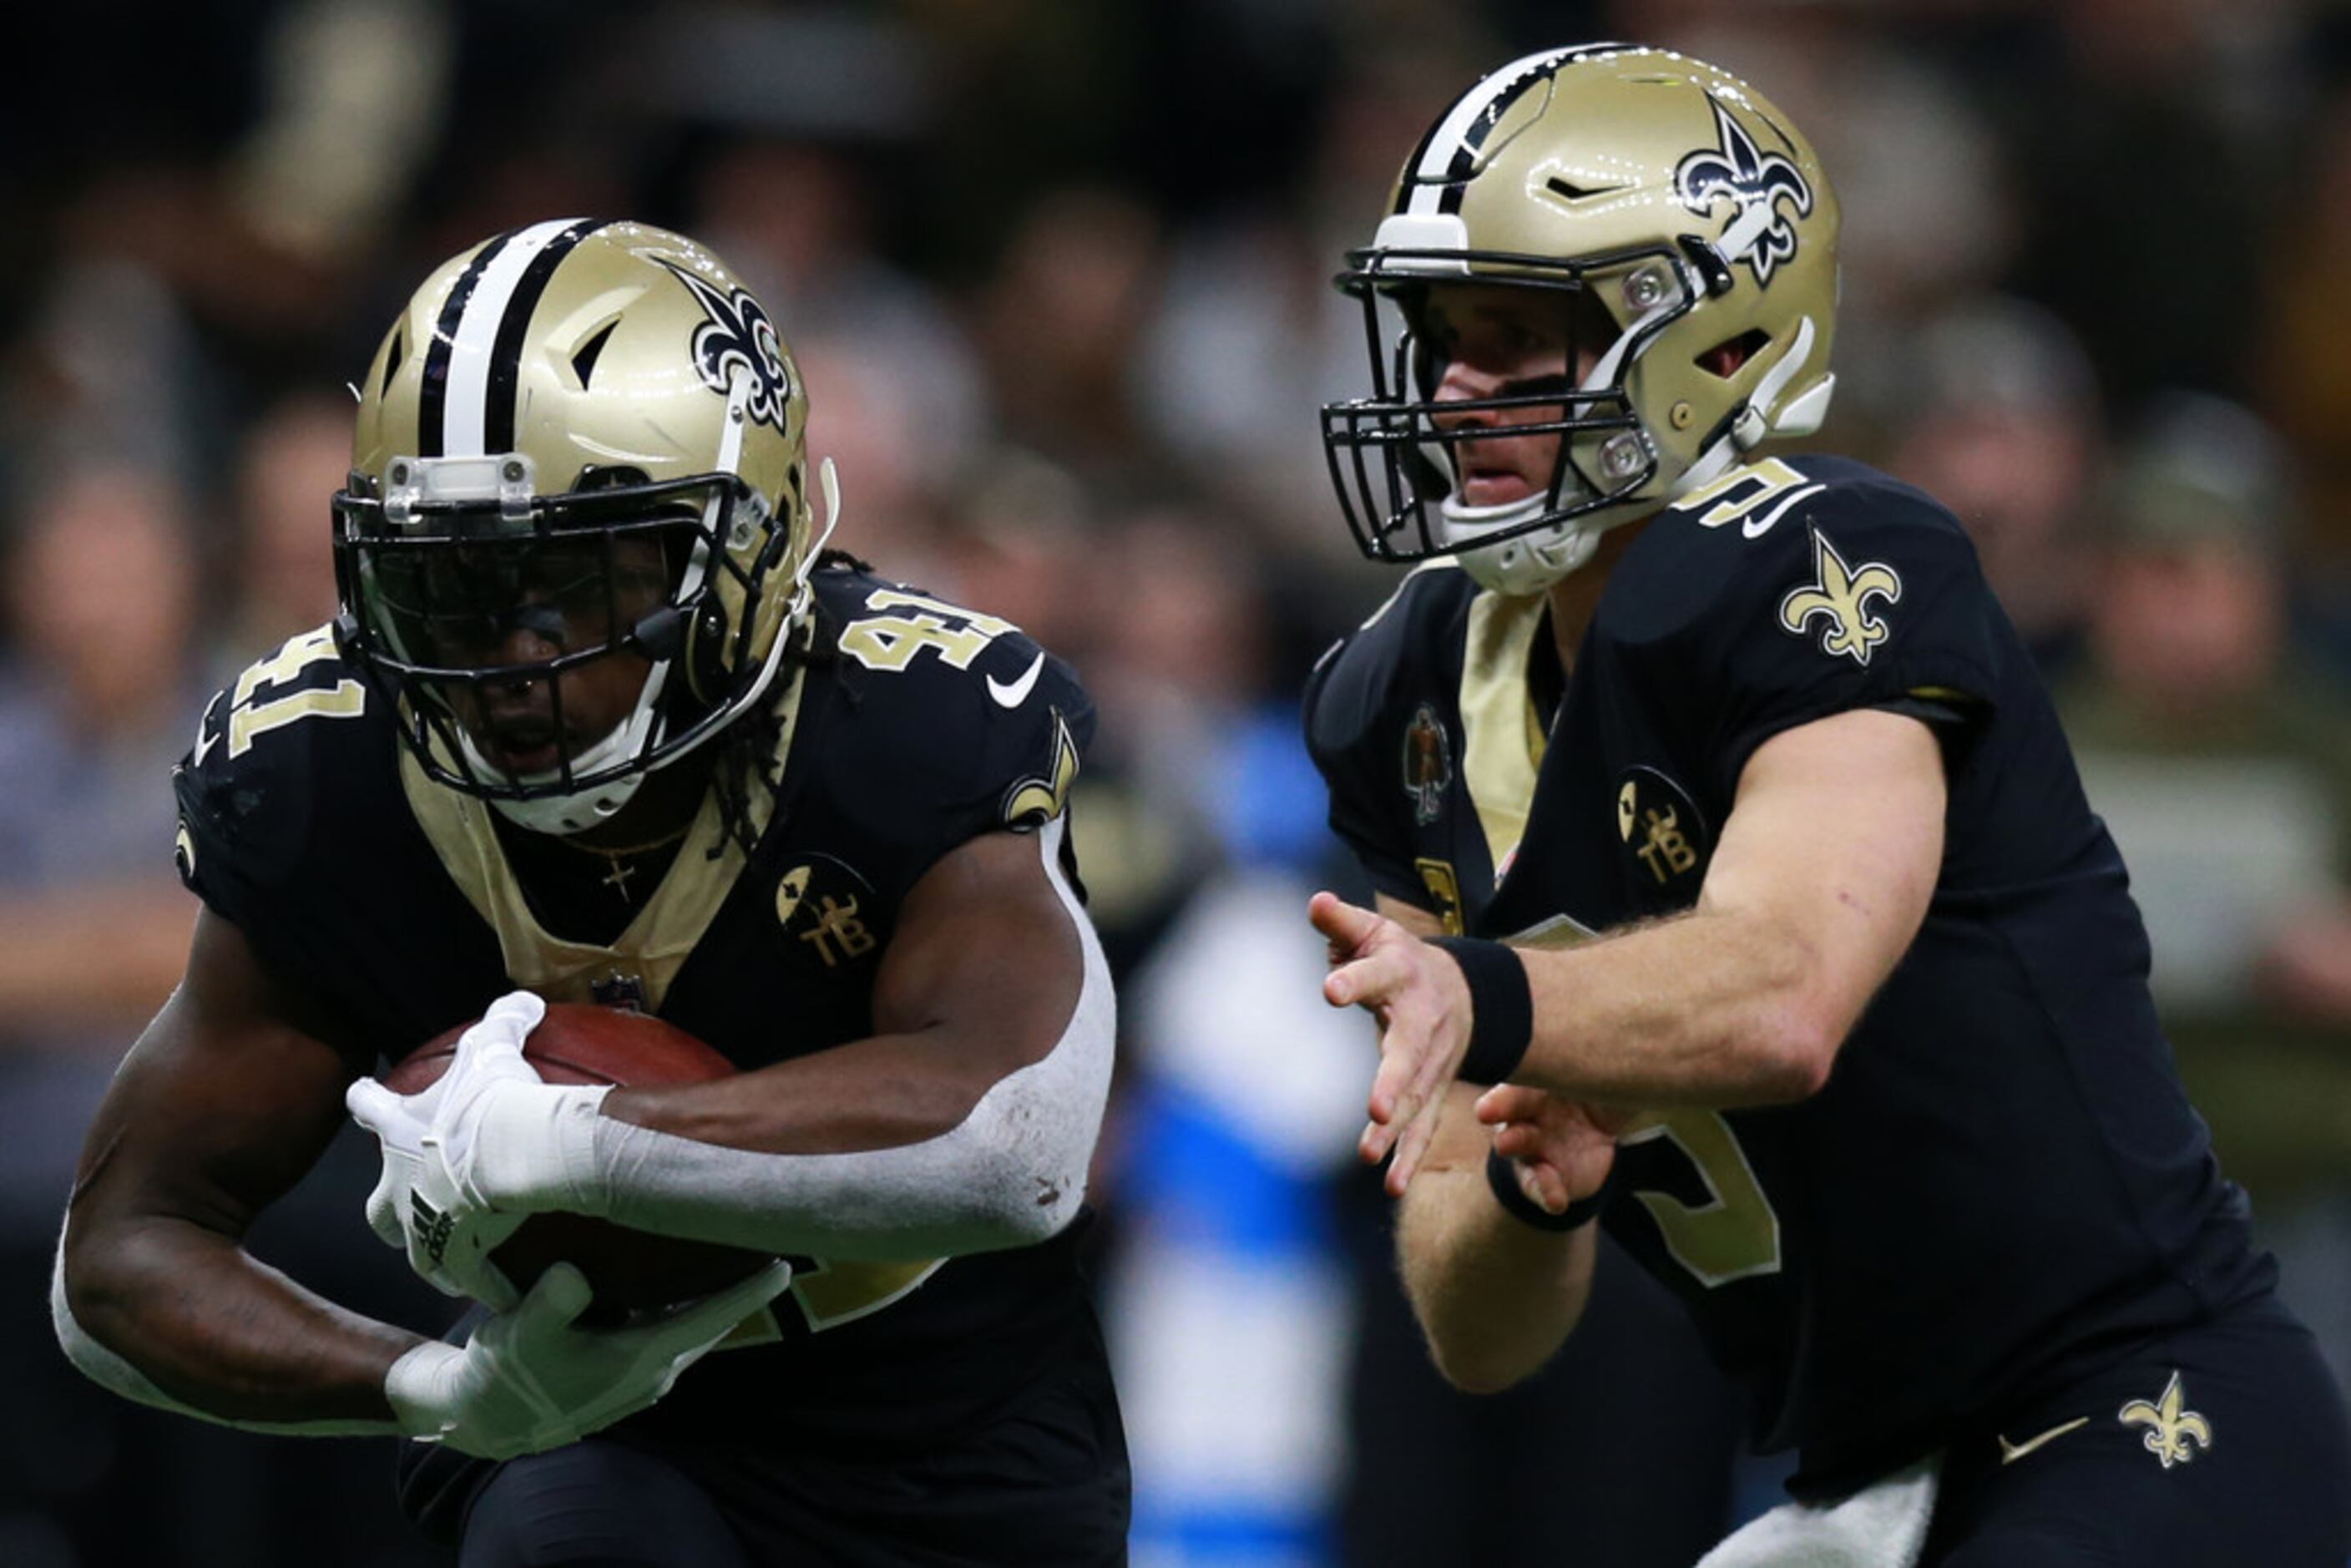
{"points": [[1343, 719], [294, 826], [246, 800], [929, 755], [1871, 598], [1029, 756]]}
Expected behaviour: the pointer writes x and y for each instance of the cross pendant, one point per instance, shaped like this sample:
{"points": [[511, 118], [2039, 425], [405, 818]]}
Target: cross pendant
{"points": [[618, 878]]}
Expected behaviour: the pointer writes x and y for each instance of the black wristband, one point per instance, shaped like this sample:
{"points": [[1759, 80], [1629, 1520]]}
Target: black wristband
{"points": [[1501, 1176], [1501, 1008]]}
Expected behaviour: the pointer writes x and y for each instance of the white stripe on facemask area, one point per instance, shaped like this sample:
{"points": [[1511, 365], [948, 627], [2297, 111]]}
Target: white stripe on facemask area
{"points": [[465, 414]]}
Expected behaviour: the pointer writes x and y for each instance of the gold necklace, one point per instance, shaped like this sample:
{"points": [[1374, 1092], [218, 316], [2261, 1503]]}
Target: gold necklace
{"points": [[608, 854], [620, 870]]}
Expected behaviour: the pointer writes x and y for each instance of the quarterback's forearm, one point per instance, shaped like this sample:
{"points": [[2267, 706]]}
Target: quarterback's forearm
{"points": [[1827, 862], [1706, 1009], [1494, 1297], [967, 1128], [167, 1313]]}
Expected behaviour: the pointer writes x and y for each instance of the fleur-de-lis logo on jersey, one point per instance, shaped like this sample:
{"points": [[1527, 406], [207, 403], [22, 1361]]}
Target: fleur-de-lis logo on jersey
{"points": [[1842, 596], [2174, 1432], [1032, 802], [738, 337], [1760, 233]]}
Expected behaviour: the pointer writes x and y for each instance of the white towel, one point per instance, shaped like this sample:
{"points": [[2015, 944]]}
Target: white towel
{"points": [[1883, 1525]]}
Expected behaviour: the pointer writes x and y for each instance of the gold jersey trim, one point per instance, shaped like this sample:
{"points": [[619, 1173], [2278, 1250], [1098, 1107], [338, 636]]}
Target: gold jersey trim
{"points": [[654, 948], [1502, 737]]}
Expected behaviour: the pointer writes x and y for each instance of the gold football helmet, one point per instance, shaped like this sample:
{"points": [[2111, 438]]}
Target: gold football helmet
{"points": [[1666, 193], [581, 443]]}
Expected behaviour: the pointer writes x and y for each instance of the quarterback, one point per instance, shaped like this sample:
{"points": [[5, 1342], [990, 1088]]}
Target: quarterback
{"points": [[1736, 890], [601, 720]]}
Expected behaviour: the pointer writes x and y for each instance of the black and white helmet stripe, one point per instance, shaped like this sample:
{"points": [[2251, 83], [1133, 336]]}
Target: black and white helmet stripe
{"points": [[466, 404], [1448, 153]]}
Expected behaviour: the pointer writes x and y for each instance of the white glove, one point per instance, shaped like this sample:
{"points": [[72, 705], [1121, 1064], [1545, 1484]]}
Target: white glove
{"points": [[464, 1159], [527, 1380]]}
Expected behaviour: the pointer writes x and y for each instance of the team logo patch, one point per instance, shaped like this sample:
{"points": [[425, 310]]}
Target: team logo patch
{"points": [[738, 337], [1840, 597], [820, 903], [1760, 232], [1427, 765], [2174, 1432], [1660, 826]]}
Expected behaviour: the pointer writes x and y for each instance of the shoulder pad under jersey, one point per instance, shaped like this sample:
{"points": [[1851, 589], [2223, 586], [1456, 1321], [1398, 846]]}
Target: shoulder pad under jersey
{"points": [[1360, 702], [292, 742], [1794, 587], [946, 722], [1410, 641]]}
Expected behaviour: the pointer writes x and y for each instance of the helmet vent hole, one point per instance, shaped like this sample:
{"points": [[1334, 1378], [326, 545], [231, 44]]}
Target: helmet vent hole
{"points": [[583, 363], [1570, 191], [393, 356], [1726, 358]]}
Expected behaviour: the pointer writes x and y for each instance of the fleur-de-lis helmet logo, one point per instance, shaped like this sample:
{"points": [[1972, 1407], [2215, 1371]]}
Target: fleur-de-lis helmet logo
{"points": [[738, 337], [1760, 232]]}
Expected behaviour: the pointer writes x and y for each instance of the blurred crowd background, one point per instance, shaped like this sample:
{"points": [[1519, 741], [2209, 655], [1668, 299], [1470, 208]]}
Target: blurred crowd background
{"points": [[1056, 273]]}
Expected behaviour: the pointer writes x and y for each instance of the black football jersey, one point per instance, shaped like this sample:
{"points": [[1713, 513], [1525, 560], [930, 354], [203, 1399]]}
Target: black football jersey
{"points": [[386, 900], [2002, 1179]]}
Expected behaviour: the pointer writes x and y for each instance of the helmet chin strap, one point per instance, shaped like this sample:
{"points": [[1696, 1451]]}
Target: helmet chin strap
{"points": [[1524, 563], [581, 810]]}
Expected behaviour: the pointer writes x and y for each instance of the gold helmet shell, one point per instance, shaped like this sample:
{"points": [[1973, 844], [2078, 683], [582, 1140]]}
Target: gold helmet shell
{"points": [[556, 389], [1667, 193]]}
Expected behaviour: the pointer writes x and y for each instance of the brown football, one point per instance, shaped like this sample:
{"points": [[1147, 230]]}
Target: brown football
{"points": [[629, 1269]]}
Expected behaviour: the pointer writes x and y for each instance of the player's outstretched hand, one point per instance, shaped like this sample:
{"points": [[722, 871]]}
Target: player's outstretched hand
{"points": [[1561, 1151], [530, 1379], [432, 1199], [1422, 1003]]}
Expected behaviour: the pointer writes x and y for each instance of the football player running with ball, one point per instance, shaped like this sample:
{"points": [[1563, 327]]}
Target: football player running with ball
{"points": [[1736, 889], [601, 720]]}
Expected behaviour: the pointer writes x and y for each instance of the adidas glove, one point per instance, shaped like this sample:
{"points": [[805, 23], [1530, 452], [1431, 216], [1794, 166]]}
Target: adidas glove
{"points": [[436, 1199], [529, 1379]]}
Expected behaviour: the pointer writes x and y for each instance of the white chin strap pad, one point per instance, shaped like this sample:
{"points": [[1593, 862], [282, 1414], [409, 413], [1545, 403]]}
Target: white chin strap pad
{"points": [[582, 808], [1524, 563], [564, 815], [1533, 561]]}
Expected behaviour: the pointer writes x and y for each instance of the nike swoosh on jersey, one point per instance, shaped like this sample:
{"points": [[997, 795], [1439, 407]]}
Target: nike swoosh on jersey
{"points": [[207, 736], [1017, 692], [2011, 1452]]}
